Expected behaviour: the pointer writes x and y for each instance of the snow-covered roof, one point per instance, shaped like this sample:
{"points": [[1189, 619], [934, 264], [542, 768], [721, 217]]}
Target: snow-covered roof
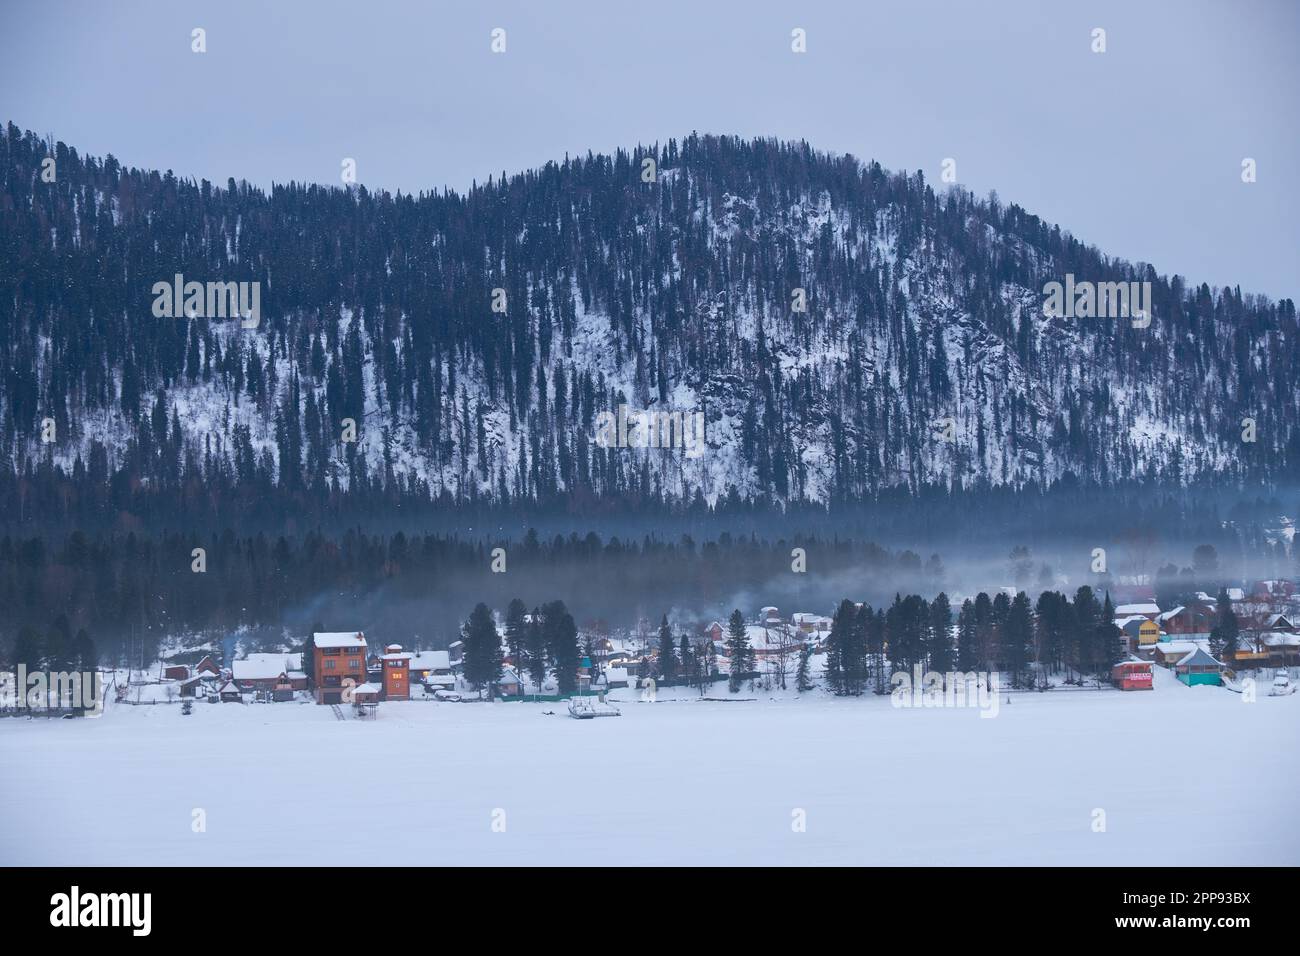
{"points": [[1199, 658], [1236, 594], [431, 661], [1281, 639], [1174, 613], [266, 666], [366, 688], [806, 617], [397, 656], [1144, 609], [615, 673], [768, 638], [1170, 648], [229, 686], [339, 639]]}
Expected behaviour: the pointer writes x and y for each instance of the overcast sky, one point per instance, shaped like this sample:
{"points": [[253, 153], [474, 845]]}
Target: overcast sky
{"points": [[1137, 150]]}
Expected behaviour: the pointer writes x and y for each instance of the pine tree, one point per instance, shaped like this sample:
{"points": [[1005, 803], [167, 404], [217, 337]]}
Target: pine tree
{"points": [[1226, 633], [802, 681], [535, 649], [562, 644], [846, 669], [482, 660], [1017, 633], [667, 653], [516, 633], [686, 659], [309, 658], [1110, 639], [738, 650], [941, 652]]}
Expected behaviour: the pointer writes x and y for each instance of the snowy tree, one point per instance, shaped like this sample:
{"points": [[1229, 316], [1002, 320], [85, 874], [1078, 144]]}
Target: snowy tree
{"points": [[738, 650], [1226, 633], [667, 653], [482, 656], [802, 679]]}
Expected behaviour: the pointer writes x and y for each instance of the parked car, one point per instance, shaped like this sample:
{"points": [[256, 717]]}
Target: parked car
{"points": [[1281, 686], [446, 695]]}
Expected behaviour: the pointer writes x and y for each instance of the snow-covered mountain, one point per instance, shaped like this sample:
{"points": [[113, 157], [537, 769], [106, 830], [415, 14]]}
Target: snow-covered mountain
{"points": [[842, 330]]}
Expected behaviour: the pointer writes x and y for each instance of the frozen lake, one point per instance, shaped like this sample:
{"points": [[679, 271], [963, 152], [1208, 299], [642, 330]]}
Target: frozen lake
{"points": [[1183, 775]]}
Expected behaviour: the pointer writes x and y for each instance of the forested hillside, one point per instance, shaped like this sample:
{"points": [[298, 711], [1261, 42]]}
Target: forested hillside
{"points": [[679, 293]]}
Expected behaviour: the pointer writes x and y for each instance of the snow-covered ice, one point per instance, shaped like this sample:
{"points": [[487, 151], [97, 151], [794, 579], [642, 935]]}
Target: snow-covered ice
{"points": [[1184, 776]]}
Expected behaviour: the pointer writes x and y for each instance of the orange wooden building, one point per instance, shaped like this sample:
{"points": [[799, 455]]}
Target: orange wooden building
{"points": [[397, 673], [339, 655]]}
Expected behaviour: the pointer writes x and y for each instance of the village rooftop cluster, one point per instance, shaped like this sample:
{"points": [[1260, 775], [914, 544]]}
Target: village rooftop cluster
{"points": [[346, 668]]}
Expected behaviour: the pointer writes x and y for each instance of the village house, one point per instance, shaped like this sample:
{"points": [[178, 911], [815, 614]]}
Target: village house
{"points": [[397, 673], [1199, 667], [510, 685], [1147, 609], [265, 672], [1250, 651], [207, 668], [230, 693], [193, 686], [1192, 619], [432, 669], [176, 672], [612, 678], [1169, 653], [772, 641], [340, 655], [1132, 675], [1283, 648]]}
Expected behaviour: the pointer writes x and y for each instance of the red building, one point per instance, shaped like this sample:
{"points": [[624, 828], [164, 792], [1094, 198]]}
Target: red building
{"points": [[1132, 675], [339, 655], [397, 673]]}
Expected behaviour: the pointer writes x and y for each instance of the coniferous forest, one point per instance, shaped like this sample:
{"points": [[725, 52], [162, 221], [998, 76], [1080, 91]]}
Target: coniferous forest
{"points": [[870, 356]]}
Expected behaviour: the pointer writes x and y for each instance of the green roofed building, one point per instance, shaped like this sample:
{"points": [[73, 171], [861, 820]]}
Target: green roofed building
{"points": [[1199, 667]]}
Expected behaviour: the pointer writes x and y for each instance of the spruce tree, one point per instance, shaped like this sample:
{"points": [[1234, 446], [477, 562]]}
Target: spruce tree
{"points": [[1226, 633], [516, 632], [482, 661], [738, 650], [1017, 632], [562, 644], [802, 681], [941, 653], [1110, 639], [667, 653], [966, 637], [535, 649], [686, 659]]}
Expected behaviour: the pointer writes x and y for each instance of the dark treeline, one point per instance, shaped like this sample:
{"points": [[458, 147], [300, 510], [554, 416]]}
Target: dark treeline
{"points": [[130, 592], [1006, 634]]}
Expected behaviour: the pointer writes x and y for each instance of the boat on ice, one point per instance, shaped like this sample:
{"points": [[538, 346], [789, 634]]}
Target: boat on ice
{"points": [[584, 708]]}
